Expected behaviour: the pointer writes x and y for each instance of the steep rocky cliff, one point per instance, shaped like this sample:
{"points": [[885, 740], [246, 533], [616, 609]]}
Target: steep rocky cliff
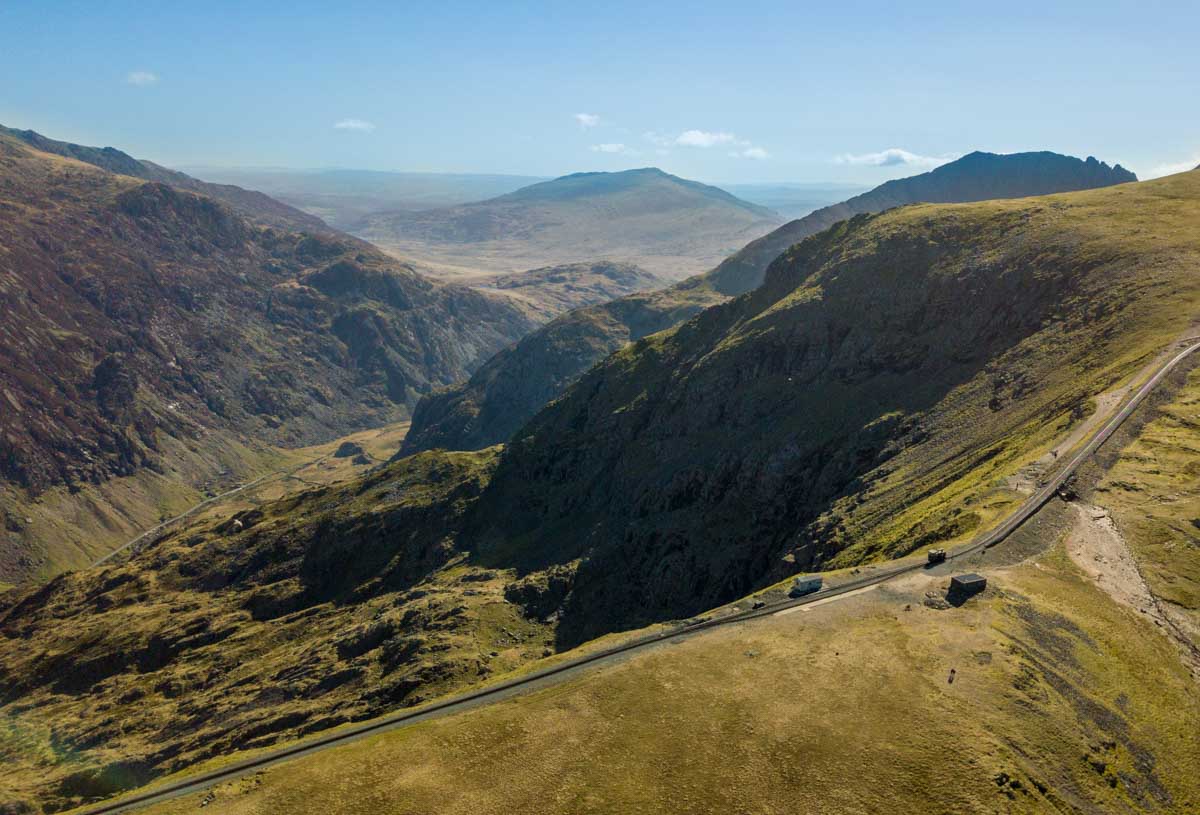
{"points": [[513, 386], [132, 309]]}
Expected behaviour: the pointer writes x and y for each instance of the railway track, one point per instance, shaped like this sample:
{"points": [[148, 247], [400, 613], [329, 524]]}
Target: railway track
{"points": [[578, 665]]}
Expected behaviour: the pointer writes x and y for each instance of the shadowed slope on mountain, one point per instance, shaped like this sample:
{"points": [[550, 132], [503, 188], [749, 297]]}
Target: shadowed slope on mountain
{"points": [[848, 407], [513, 386]]}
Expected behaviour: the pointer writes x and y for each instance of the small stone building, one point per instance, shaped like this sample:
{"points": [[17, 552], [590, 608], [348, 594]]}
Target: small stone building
{"points": [[969, 583]]}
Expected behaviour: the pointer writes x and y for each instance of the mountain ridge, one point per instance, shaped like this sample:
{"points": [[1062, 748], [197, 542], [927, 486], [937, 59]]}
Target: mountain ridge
{"points": [[851, 410], [253, 204], [510, 388], [140, 318], [663, 223]]}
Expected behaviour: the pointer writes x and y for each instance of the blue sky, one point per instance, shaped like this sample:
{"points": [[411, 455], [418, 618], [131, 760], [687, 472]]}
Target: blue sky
{"points": [[749, 91]]}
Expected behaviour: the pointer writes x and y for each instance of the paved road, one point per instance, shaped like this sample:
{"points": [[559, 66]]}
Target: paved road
{"points": [[578, 665]]}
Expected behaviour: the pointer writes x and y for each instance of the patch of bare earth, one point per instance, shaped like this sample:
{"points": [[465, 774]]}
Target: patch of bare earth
{"points": [[1095, 545]]}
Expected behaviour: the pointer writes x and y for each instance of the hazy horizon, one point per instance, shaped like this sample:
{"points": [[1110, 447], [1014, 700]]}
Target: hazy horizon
{"points": [[856, 94]]}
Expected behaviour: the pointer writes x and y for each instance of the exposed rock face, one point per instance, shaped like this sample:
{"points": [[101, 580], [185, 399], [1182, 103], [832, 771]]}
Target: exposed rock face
{"points": [[509, 389], [131, 308]]}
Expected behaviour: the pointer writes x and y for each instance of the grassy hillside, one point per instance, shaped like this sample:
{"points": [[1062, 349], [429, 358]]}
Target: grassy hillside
{"points": [[247, 202], [862, 403], [1153, 488], [849, 411], [1061, 702], [513, 386], [147, 328], [1045, 694], [669, 226]]}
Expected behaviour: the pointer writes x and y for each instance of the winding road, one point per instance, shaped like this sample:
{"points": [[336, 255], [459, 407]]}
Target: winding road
{"points": [[578, 665], [287, 472]]}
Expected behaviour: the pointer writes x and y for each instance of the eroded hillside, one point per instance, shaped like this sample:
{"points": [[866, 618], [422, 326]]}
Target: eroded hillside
{"points": [[859, 404]]}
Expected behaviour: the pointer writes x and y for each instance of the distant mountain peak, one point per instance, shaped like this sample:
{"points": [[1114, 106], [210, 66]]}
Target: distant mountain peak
{"points": [[668, 225], [603, 183], [1046, 162]]}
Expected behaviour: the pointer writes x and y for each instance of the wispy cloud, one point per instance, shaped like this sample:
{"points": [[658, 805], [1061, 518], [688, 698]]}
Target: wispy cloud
{"points": [[753, 152], [587, 120], [704, 139], [141, 78], [614, 148], [1171, 169], [355, 124], [894, 157]]}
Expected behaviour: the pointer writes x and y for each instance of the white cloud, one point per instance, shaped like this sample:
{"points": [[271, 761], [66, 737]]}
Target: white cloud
{"points": [[615, 149], [703, 138], [1171, 169], [141, 78], [587, 120], [355, 124], [894, 157]]}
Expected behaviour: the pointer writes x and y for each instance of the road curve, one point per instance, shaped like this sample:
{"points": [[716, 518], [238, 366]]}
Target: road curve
{"points": [[577, 665]]}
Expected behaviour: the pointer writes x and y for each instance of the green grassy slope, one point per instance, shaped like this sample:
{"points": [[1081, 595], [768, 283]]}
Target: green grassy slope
{"points": [[1153, 489], [1061, 702], [872, 398]]}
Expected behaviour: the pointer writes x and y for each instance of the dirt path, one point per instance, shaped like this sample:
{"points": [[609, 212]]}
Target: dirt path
{"points": [[1096, 546]]}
